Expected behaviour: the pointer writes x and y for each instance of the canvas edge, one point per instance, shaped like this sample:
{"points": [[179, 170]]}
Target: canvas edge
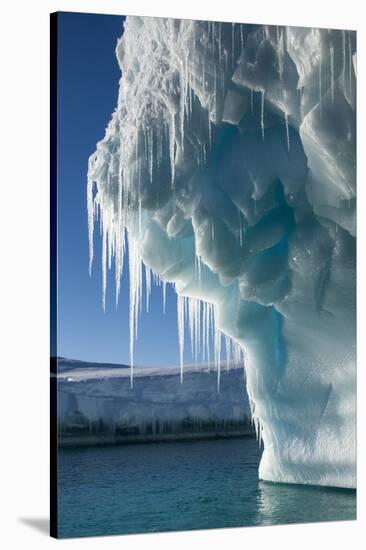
{"points": [[53, 274]]}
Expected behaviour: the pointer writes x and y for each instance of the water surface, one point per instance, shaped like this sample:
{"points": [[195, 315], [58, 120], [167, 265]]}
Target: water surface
{"points": [[186, 485]]}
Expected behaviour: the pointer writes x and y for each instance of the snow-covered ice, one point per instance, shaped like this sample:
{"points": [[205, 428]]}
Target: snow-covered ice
{"points": [[95, 401], [228, 169]]}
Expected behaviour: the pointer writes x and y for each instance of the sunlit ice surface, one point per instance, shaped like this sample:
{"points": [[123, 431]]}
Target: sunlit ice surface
{"points": [[228, 171]]}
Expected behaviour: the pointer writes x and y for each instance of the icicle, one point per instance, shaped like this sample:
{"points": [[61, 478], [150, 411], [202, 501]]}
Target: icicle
{"points": [[218, 377], [287, 132], [350, 64], [90, 204], [331, 54], [204, 312], [182, 95], [160, 153], [119, 254], [180, 313], [198, 329], [344, 59], [262, 113], [140, 213], [194, 324], [215, 93], [209, 130], [320, 77], [281, 54], [228, 351], [251, 102], [194, 310], [232, 45], [208, 331], [190, 96], [213, 38], [220, 41], [151, 152], [217, 353], [164, 297], [135, 269], [148, 285], [172, 147], [110, 241]]}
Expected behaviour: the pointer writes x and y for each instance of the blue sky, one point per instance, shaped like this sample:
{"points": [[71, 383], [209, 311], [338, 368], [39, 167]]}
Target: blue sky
{"points": [[88, 76]]}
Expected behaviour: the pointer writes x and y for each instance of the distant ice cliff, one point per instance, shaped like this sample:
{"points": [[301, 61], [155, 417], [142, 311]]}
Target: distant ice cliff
{"points": [[96, 404], [228, 169]]}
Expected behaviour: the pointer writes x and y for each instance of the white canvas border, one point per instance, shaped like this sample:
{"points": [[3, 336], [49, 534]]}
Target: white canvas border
{"points": [[24, 268]]}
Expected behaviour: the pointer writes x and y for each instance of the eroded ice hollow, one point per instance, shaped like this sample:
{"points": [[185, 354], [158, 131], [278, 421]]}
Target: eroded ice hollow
{"points": [[228, 169]]}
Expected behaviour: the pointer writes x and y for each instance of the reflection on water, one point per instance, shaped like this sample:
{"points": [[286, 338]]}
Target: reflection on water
{"points": [[282, 503], [185, 485]]}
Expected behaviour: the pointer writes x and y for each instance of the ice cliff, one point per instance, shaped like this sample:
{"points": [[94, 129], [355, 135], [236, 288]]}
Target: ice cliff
{"points": [[228, 170], [96, 404]]}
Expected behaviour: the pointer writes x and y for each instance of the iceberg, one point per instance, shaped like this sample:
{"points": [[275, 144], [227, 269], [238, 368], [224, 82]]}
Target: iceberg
{"points": [[228, 170], [96, 405]]}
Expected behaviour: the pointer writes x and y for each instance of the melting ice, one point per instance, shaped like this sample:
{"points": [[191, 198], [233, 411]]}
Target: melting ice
{"points": [[228, 170]]}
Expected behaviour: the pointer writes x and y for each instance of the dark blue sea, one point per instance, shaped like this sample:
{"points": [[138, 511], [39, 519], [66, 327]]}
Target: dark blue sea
{"points": [[185, 485]]}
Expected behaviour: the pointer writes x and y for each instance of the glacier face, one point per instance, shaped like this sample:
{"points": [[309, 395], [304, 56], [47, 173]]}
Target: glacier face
{"points": [[229, 169], [96, 404]]}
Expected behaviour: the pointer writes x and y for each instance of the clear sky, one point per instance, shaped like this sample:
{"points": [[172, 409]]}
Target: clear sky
{"points": [[88, 85]]}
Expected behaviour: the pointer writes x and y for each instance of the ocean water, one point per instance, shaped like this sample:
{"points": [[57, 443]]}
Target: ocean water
{"points": [[187, 485]]}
